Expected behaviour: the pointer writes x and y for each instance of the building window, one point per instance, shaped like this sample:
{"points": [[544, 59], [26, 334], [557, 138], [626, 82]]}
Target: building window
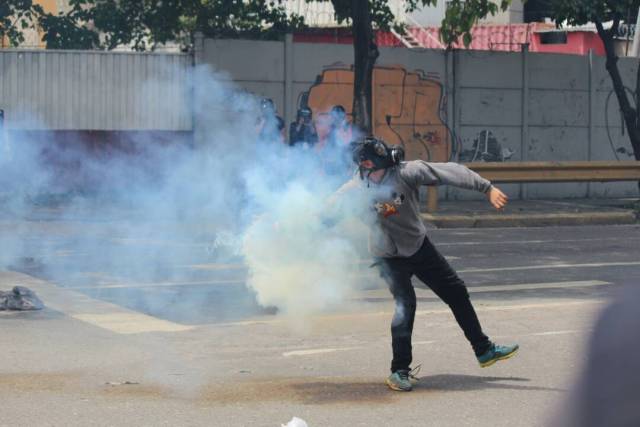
{"points": [[553, 37]]}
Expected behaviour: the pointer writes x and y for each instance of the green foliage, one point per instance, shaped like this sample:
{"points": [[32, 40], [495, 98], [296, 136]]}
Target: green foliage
{"points": [[143, 24], [579, 12], [16, 16], [237, 18], [382, 16], [460, 16], [69, 31]]}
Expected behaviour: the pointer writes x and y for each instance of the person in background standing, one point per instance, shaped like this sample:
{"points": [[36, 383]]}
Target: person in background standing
{"points": [[303, 129], [335, 151], [269, 124]]}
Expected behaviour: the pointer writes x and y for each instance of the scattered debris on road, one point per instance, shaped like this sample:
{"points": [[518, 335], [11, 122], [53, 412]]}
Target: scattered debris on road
{"points": [[296, 422], [113, 384], [20, 299]]}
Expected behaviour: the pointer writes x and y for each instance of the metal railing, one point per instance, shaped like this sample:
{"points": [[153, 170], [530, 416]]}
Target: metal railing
{"points": [[520, 172], [422, 30]]}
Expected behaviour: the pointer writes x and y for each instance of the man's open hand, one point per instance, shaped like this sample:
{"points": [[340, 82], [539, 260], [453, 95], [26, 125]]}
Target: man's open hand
{"points": [[497, 198]]}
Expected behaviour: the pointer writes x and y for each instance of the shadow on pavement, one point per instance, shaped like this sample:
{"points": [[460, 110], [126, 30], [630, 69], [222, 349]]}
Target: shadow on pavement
{"points": [[327, 391], [320, 393], [455, 382], [308, 391]]}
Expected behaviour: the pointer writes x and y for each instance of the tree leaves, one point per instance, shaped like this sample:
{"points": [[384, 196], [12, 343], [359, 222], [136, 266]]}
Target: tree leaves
{"points": [[580, 12], [144, 24], [64, 32], [462, 15], [15, 17]]}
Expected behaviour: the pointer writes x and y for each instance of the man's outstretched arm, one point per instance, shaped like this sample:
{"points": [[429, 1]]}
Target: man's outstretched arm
{"points": [[419, 172]]}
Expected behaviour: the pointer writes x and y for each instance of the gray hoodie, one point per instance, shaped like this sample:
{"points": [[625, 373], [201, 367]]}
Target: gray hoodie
{"points": [[397, 229]]}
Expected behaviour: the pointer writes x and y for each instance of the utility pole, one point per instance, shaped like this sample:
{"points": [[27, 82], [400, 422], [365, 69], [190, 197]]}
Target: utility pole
{"points": [[635, 48]]}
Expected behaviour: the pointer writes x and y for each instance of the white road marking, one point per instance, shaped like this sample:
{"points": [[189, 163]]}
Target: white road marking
{"points": [[214, 266], [534, 286], [423, 342], [541, 334], [124, 321], [162, 284], [542, 305], [159, 242], [102, 314], [242, 281], [333, 350], [550, 266], [510, 242], [479, 308], [422, 291], [317, 351], [242, 267]]}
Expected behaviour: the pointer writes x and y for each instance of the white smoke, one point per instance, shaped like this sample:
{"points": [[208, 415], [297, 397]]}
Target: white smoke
{"points": [[225, 194], [297, 263]]}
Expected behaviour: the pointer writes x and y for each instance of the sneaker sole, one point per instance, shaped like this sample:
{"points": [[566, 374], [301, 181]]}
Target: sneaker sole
{"points": [[394, 387], [492, 361]]}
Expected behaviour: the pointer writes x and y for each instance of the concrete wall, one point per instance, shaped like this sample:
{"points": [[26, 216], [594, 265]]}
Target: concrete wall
{"points": [[538, 107], [441, 106], [73, 90]]}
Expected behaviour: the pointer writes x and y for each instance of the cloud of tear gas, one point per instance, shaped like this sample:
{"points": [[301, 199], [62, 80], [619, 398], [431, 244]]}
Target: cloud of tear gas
{"points": [[122, 217], [296, 261]]}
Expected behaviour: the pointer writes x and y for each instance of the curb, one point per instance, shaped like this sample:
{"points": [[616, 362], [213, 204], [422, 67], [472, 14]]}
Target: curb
{"points": [[530, 220]]}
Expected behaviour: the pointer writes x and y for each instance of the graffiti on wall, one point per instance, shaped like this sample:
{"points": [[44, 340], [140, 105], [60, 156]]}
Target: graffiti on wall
{"points": [[485, 148], [408, 108]]}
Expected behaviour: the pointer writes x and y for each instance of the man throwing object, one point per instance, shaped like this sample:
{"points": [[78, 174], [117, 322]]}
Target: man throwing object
{"points": [[401, 248]]}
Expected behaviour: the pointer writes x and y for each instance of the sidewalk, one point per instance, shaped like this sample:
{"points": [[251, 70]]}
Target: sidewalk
{"points": [[535, 213]]}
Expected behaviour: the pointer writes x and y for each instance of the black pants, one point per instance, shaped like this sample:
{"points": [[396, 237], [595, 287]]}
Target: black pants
{"points": [[433, 269]]}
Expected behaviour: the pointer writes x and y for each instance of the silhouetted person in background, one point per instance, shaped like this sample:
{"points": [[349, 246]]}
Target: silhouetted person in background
{"points": [[341, 133], [270, 125], [335, 151], [303, 130]]}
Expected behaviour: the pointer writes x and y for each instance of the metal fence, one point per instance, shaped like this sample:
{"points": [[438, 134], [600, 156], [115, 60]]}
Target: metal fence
{"points": [[93, 90]]}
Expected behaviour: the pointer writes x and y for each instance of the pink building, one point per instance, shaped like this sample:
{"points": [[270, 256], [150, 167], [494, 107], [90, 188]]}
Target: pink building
{"points": [[540, 37]]}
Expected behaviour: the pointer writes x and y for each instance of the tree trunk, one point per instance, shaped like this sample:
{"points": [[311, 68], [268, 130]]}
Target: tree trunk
{"points": [[628, 113], [365, 54]]}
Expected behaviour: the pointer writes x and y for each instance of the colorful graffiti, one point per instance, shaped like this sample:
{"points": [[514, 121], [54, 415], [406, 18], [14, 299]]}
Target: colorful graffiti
{"points": [[408, 108]]}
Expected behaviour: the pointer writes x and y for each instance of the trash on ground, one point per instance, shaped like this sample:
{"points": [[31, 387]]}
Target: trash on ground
{"points": [[121, 383], [20, 299], [296, 422]]}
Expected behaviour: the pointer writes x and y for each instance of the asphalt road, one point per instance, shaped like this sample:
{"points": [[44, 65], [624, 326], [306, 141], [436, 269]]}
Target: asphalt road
{"points": [[201, 352]]}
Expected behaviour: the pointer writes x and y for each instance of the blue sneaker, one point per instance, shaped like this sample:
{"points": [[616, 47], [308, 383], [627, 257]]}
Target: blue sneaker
{"points": [[400, 381], [497, 352], [403, 379]]}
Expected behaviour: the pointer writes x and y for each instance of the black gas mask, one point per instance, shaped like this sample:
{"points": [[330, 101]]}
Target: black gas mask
{"points": [[305, 114], [378, 152]]}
